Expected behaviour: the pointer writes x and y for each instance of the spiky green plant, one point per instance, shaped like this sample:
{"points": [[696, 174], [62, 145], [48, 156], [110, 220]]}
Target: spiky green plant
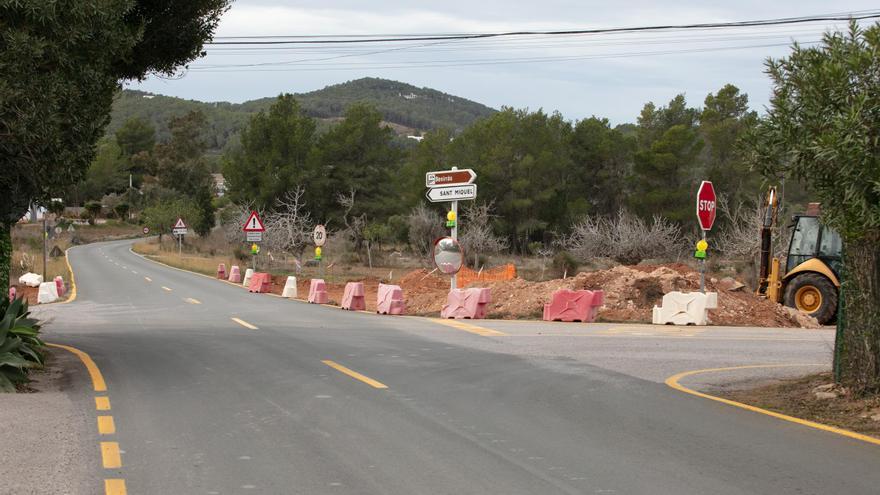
{"points": [[20, 346]]}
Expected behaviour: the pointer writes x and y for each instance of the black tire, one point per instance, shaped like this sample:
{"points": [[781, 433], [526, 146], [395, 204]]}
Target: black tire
{"points": [[827, 308]]}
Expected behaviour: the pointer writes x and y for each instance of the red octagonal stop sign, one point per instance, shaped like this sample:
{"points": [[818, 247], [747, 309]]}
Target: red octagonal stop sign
{"points": [[706, 205]]}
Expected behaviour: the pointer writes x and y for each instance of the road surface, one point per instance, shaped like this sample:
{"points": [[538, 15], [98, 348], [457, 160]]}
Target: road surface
{"points": [[287, 398]]}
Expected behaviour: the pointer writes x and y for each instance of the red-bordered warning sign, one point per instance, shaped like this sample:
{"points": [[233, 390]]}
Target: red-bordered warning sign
{"points": [[254, 224]]}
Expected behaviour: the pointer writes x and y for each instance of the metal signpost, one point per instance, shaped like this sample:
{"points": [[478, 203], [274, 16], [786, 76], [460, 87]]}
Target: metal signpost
{"points": [[179, 230], [451, 186], [706, 209], [253, 230], [319, 236]]}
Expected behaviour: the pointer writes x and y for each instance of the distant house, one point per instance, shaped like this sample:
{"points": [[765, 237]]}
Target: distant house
{"points": [[219, 185], [417, 138]]}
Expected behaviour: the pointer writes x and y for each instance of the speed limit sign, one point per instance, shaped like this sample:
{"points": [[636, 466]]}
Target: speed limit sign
{"points": [[319, 235]]}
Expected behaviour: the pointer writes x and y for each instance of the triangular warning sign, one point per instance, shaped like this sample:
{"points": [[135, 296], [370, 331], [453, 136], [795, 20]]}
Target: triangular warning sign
{"points": [[254, 224], [179, 224]]}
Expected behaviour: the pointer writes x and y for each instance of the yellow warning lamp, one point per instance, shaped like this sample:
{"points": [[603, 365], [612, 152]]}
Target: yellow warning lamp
{"points": [[255, 248], [318, 252], [702, 246], [450, 219]]}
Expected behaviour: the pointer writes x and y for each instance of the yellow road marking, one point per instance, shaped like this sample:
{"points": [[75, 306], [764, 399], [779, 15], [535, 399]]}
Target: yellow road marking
{"points": [[467, 327], [102, 403], [148, 279], [110, 458], [354, 374], [97, 378], [106, 426], [192, 301], [72, 296], [166, 288], [673, 380], [244, 323], [114, 487]]}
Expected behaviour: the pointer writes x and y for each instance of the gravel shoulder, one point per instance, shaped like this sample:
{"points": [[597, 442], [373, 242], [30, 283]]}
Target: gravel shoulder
{"points": [[48, 433]]}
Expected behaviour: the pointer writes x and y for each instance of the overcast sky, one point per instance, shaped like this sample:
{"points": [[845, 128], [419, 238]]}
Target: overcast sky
{"points": [[609, 76]]}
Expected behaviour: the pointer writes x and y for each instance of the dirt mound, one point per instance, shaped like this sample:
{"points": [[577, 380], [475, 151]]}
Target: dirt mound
{"points": [[630, 294]]}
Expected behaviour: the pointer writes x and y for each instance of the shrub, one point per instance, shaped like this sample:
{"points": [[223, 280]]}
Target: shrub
{"points": [[20, 346], [625, 238]]}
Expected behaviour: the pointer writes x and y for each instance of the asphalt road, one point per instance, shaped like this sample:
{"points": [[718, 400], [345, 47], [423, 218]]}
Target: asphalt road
{"points": [[205, 405]]}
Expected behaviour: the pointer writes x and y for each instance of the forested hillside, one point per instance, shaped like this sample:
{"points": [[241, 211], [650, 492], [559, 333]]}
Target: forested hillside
{"points": [[419, 109]]}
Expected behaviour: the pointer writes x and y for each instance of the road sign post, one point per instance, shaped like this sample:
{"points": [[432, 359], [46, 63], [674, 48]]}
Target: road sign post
{"points": [[319, 236], [179, 230], [451, 186], [253, 231], [706, 210]]}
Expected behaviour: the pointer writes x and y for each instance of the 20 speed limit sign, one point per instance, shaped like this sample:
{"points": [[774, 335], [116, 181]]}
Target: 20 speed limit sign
{"points": [[319, 235]]}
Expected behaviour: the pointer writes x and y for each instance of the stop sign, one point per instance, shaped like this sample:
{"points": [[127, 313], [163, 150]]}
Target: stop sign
{"points": [[706, 205]]}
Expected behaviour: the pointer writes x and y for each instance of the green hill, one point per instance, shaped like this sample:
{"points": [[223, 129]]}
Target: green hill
{"points": [[407, 108]]}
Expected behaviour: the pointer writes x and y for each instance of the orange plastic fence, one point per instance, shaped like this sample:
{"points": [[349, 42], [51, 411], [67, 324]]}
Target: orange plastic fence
{"points": [[505, 272]]}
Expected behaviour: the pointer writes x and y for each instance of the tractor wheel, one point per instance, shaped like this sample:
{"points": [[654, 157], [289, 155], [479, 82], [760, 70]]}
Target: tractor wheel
{"points": [[813, 294]]}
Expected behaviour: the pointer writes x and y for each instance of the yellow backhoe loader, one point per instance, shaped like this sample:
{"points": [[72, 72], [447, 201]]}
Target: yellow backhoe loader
{"points": [[811, 279]]}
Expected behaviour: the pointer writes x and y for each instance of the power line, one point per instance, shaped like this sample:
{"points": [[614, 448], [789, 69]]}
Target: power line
{"points": [[352, 39]]}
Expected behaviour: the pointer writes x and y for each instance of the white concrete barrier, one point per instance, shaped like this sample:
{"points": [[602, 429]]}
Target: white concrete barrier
{"points": [[685, 308], [247, 277], [48, 293], [289, 288], [31, 279]]}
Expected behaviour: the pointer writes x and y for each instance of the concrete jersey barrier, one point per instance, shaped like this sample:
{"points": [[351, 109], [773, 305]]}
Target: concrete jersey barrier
{"points": [[574, 305], [685, 308], [353, 297], [389, 300], [467, 303]]}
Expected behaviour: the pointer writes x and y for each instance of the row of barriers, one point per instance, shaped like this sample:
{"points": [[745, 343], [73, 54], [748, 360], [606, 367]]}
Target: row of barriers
{"points": [[473, 303]]}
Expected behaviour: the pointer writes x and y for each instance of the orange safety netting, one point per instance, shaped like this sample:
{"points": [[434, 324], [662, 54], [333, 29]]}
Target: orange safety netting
{"points": [[466, 275]]}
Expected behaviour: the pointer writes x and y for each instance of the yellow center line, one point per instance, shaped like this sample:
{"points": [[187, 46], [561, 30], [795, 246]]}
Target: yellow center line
{"points": [[467, 327], [166, 288], [110, 458], [148, 279], [102, 403], [673, 380], [106, 426], [114, 487], [354, 374], [97, 378], [192, 301], [244, 323]]}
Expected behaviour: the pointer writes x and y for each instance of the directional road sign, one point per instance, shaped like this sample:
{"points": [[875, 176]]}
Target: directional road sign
{"points": [[452, 193], [444, 178], [706, 202], [254, 224]]}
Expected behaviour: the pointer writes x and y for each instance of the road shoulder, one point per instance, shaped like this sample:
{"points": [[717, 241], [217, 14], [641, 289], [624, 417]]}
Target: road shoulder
{"points": [[47, 434]]}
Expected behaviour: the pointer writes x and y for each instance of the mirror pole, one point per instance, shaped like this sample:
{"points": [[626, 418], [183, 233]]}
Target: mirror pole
{"points": [[455, 237]]}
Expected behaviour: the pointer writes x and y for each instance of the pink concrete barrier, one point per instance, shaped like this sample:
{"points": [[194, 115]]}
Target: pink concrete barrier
{"points": [[59, 286], [389, 301], [574, 305], [235, 274], [318, 291], [12, 293], [467, 303], [260, 282], [353, 297], [221, 271]]}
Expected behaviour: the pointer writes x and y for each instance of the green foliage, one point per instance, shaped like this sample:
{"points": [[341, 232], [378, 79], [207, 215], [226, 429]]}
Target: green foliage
{"points": [[135, 136], [724, 119], [274, 156], [56, 207], [20, 346], [160, 217], [121, 210], [92, 209], [822, 127]]}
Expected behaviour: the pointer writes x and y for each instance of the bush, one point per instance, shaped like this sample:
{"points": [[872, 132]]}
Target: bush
{"points": [[20, 347], [626, 239], [564, 264]]}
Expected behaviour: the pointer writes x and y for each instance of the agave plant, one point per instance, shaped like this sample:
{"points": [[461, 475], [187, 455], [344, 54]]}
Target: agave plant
{"points": [[20, 346]]}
